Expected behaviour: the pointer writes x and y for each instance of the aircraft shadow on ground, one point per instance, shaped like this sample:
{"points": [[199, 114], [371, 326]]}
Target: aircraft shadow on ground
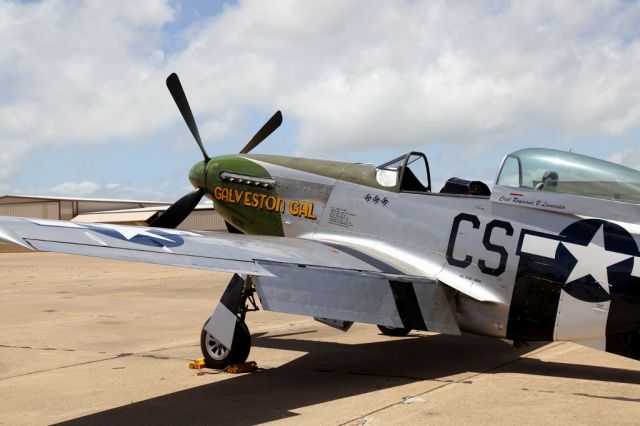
{"points": [[332, 371]]}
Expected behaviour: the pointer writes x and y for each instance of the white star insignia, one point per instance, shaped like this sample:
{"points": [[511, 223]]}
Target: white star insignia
{"points": [[594, 260], [130, 232]]}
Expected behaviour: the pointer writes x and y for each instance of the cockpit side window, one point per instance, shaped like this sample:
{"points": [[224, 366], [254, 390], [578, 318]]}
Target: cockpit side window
{"points": [[415, 176], [510, 174]]}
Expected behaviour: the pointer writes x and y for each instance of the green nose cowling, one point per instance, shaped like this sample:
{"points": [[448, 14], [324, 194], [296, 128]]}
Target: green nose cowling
{"points": [[197, 175]]}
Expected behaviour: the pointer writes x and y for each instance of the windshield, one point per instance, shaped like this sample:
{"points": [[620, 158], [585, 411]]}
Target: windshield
{"points": [[412, 169], [387, 173], [569, 173]]}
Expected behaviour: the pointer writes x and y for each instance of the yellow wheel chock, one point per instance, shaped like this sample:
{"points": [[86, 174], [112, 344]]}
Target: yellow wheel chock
{"points": [[244, 367]]}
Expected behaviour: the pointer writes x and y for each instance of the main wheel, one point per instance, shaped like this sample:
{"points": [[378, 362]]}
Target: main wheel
{"points": [[394, 331], [217, 356]]}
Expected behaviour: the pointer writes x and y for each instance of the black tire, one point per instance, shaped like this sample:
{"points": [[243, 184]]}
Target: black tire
{"points": [[393, 331], [217, 356]]}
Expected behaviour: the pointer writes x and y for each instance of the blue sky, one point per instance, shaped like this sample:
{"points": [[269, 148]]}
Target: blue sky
{"points": [[84, 110]]}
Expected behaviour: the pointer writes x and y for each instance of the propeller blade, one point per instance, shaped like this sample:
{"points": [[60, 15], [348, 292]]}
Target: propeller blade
{"points": [[274, 122], [177, 92], [178, 211]]}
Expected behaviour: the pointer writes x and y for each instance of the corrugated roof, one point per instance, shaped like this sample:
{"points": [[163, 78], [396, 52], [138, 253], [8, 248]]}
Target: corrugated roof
{"points": [[104, 200], [159, 208], [115, 217]]}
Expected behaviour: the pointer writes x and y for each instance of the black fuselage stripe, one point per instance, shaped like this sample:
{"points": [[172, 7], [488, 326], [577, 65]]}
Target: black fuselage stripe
{"points": [[376, 263], [407, 304], [404, 294]]}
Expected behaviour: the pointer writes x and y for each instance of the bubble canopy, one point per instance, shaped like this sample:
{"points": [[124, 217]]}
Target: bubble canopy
{"points": [[569, 173]]}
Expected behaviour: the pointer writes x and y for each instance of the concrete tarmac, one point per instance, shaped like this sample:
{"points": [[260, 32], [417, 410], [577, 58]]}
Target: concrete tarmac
{"points": [[92, 341]]}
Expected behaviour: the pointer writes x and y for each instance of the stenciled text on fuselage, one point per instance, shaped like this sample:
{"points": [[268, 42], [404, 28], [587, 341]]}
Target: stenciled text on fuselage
{"points": [[270, 203]]}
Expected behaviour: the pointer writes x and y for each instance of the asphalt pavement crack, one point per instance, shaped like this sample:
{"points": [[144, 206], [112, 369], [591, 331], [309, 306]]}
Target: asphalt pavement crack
{"points": [[58, 368], [616, 398], [587, 395], [36, 348], [145, 354]]}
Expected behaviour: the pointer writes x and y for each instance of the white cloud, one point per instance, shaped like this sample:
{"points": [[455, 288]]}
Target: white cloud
{"points": [[80, 72], [353, 74], [628, 157], [157, 193], [12, 155], [93, 189], [374, 74], [73, 189]]}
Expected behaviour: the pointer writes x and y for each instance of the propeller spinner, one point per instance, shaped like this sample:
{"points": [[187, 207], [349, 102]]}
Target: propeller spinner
{"points": [[179, 210]]}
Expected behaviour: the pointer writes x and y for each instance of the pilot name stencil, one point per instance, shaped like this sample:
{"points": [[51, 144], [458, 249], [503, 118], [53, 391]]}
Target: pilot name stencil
{"points": [[517, 200]]}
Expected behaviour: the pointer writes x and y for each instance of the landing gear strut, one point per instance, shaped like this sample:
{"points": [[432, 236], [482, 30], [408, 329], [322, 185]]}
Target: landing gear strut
{"points": [[225, 338]]}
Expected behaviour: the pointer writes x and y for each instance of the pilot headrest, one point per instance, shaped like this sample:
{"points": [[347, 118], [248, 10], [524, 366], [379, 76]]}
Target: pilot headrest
{"points": [[550, 177]]}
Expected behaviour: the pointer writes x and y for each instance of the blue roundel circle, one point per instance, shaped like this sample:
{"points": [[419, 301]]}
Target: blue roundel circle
{"points": [[147, 237], [617, 240]]}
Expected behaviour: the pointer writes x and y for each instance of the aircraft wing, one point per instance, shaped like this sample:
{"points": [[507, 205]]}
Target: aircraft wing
{"points": [[295, 275]]}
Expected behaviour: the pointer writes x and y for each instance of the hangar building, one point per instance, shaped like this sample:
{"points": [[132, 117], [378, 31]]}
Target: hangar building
{"points": [[123, 212]]}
